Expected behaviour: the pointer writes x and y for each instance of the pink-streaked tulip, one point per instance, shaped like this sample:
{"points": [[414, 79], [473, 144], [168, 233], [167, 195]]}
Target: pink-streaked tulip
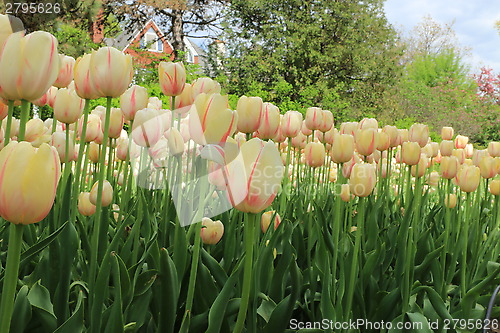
{"points": [[403, 135], [291, 123], [93, 152], [468, 178], [342, 148], [419, 133], [254, 176], [122, 149], [434, 149], [314, 118], [410, 153], [133, 99], [446, 147], [478, 155], [116, 121], [329, 136], [393, 133], [368, 123], [84, 83], [210, 120], [85, 207], [211, 231], [27, 74], [266, 219], [348, 128], [111, 71], [28, 181], [362, 179], [184, 101], [345, 193], [93, 127], [327, 122], [468, 150], [172, 77], [305, 130], [58, 141], [249, 111], [366, 141], [299, 141], [154, 103], [36, 132], [459, 154], [65, 75], [107, 194], [270, 122], [494, 149], [495, 187], [68, 106], [216, 175], [449, 167], [48, 98], [205, 85], [315, 154], [487, 167], [418, 170], [447, 133], [347, 167], [384, 141], [175, 141], [461, 141], [450, 200], [497, 164], [433, 179], [149, 126], [427, 150]]}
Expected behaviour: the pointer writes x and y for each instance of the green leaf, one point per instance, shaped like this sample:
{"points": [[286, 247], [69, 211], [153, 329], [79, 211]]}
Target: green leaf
{"points": [[145, 281], [39, 298], [22, 311], [416, 317], [75, 323]]}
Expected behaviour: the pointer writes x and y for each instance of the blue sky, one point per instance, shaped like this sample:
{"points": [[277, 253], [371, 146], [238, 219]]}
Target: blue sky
{"points": [[474, 24]]}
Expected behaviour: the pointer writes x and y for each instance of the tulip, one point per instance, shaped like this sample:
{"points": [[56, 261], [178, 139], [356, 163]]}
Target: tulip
{"points": [[495, 187], [315, 154], [461, 141], [9, 25], [330, 135], [410, 153], [366, 141], [447, 133], [93, 127], [28, 181], [433, 179], [184, 101], [266, 218], [420, 167], [216, 175], [111, 71], [65, 75], [299, 141], [107, 194], [362, 180], [382, 168], [450, 200], [116, 121], [468, 150], [494, 149], [487, 167], [446, 147], [449, 167], [48, 98], [384, 141], [175, 141], [68, 106], [419, 133], [434, 149], [459, 154], [27, 75], [154, 103], [210, 120], [172, 76], [368, 123], [149, 126], [205, 85], [468, 178], [393, 134], [348, 128], [327, 122], [403, 135], [270, 122], [58, 141], [305, 130], [345, 193], [85, 207], [314, 118], [84, 83], [347, 167], [211, 231], [342, 148], [133, 99], [254, 176], [249, 111], [291, 123]]}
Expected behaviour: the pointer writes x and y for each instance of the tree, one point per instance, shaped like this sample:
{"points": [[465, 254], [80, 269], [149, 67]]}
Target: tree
{"points": [[299, 53]]}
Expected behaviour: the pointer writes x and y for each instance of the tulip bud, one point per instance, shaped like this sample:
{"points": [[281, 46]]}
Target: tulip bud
{"points": [[450, 201], [28, 181], [204, 85], [384, 141], [347, 167], [116, 122], [382, 168], [348, 128], [154, 103], [68, 106], [495, 187], [65, 75], [487, 167], [461, 141], [249, 111], [93, 127], [270, 122], [184, 101], [133, 99], [211, 231], [85, 207], [434, 149], [291, 123], [149, 126], [175, 141], [410, 153], [433, 179], [84, 84], [315, 154], [468, 150], [446, 147], [419, 133], [447, 133], [366, 141], [266, 218], [362, 179], [459, 154], [393, 134], [305, 130], [468, 178], [107, 194], [299, 141], [449, 167], [314, 118], [327, 122], [27, 74], [418, 170], [494, 149], [368, 123], [59, 142], [172, 76], [111, 71], [403, 135], [345, 193]]}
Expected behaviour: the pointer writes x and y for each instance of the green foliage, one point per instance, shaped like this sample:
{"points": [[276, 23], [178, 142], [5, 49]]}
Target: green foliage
{"points": [[73, 41]]}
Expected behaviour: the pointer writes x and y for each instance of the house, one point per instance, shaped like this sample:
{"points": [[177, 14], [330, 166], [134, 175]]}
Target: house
{"points": [[148, 42]]}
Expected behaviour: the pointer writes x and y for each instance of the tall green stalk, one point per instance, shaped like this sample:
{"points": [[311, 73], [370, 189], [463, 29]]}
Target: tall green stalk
{"points": [[8, 125], [25, 112]]}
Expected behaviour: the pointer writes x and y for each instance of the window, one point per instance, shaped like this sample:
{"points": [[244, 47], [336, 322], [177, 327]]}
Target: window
{"points": [[160, 45], [152, 41], [189, 57]]}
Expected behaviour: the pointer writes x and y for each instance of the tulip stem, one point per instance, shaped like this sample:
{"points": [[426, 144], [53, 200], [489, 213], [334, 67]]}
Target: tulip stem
{"points": [[11, 276], [25, 108], [250, 224], [463, 271], [8, 125]]}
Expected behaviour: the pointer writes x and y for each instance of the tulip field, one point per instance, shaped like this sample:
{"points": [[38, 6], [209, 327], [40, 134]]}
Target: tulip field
{"points": [[192, 216]]}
